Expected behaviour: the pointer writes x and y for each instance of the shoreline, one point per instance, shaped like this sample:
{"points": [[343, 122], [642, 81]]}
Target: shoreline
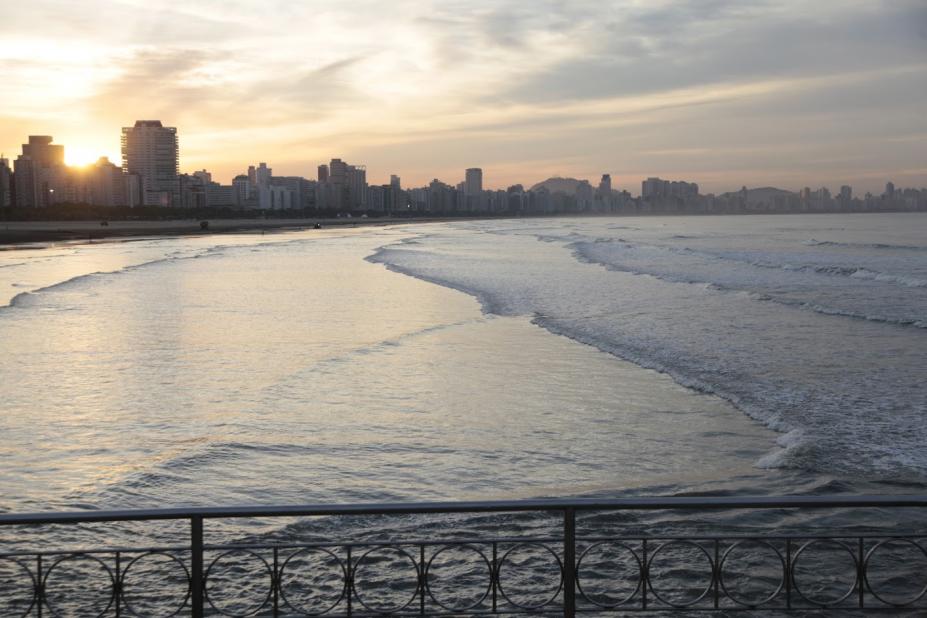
{"points": [[35, 234]]}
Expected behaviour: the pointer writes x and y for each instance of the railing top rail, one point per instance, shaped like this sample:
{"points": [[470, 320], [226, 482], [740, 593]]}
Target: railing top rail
{"points": [[497, 506]]}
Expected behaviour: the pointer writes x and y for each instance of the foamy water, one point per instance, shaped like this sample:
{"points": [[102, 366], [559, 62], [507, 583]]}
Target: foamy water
{"points": [[812, 325]]}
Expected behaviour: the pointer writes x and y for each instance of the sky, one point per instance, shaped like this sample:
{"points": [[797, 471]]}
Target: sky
{"points": [[720, 92]]}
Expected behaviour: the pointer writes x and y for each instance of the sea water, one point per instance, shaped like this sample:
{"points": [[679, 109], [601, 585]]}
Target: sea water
{"points": [[472, 360]]}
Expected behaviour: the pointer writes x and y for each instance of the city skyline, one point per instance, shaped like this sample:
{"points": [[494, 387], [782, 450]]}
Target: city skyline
{"points": [[790, 95]]}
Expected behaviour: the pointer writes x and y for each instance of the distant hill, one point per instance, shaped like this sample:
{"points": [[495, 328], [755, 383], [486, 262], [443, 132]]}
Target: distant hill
{"points": [[567, 186], [760, 195]]}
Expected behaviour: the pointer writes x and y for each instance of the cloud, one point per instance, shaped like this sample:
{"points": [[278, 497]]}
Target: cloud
{"points": [[421, 87]]}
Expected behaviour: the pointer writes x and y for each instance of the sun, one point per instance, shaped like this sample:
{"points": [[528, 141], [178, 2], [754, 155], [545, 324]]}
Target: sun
{"points": [[81, 156]]}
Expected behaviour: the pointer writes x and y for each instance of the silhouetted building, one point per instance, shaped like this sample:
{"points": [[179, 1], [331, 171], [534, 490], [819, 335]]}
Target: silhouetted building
{"points": [[150, 151], [474, 181], [38, 172], [6, 183], [107, 185]]}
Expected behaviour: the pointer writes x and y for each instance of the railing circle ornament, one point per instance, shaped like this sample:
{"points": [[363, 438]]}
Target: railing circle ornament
{"points": [[917, 597], [556, 592], [359, 566], [32, 584], [843, 547], [326, 554], [683, 543], [250, 611], [73, 558], [428, 571], [727, 590], [627, 598], [124, 587]]}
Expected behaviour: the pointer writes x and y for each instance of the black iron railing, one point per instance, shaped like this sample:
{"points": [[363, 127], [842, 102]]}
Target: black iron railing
{"points": [[565, 574]]}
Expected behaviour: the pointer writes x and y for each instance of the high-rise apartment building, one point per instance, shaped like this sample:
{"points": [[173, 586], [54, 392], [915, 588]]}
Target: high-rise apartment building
{"points": [[38, 172], [150, 151], [262, 175], [6, 183], [473, 185]]}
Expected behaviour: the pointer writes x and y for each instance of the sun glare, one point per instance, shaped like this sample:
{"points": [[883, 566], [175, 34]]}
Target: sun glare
{"points": [[79, 156]]}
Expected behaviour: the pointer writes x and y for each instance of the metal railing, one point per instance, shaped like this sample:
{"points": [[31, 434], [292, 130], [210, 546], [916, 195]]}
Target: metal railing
{"points": [[565, 574]]}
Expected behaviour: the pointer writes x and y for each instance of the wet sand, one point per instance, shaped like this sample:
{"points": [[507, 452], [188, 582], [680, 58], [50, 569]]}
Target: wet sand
{"points": [[14, 233]]}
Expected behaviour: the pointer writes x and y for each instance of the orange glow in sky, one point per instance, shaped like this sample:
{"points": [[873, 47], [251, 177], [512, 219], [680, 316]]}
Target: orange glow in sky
{"points": [[722, 93]]}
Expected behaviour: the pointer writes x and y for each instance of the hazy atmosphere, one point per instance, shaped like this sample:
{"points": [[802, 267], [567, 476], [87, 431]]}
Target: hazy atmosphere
{"points": [[721, 92]]}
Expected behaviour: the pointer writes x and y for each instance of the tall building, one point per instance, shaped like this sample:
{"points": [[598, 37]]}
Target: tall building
{"points": [[262, 175], [6, 183], [394, 181], [323, 173], [244, 189], [38, 172], [107, 185], [605, 185], [150, 151], [474, 181]]}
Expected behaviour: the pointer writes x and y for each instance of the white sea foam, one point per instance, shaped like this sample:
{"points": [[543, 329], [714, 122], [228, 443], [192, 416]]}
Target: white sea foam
{"points": [[761, 327]]}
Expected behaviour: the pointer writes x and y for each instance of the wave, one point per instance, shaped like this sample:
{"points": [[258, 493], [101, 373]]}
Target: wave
{"points": [[583, 255], [773, 392], [20, 300], [863, 245]]}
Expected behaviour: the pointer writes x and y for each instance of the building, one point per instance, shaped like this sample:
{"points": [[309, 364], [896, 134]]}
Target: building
{"points": [[473, 183], [244, 188], [106, 185], [342, 187], [150, 151], [6, 183], [38, 172], [262, 175], [275, 197]]}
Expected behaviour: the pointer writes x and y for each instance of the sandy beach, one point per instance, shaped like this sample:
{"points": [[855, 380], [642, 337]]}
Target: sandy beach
{"points": [[16, 233]]}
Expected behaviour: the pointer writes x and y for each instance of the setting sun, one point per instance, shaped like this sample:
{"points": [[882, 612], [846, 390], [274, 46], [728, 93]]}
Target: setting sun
{"points": [[81, 156]]}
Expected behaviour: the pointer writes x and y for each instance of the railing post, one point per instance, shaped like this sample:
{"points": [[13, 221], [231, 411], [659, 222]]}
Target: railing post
{"points": [[39, 585], [196, 571], [569, 563]]}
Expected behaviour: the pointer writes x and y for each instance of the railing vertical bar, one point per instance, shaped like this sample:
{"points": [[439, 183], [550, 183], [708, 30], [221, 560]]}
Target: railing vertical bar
{"points": [[196, 561], [788, 573], [349, 584], [716, 576], [861, 575], [275, 584], [569, 563], [494, 575], [421, 579], [117, 586], [645, 575], [39, 584]]}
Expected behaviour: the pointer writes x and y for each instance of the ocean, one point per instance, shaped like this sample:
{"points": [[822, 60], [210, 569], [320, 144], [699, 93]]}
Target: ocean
{"points": [[516, 358]]}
